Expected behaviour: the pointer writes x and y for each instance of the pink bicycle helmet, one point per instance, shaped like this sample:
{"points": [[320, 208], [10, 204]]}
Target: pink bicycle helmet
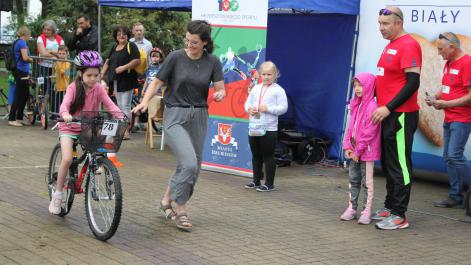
{"points": [[88, 59]]}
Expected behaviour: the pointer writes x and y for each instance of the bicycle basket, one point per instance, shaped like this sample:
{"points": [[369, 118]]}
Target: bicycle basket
{"points": [[102, 131]]}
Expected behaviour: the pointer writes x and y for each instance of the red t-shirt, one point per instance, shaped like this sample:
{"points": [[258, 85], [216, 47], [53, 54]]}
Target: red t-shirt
{"points": [[455, 82], [399, 54]]}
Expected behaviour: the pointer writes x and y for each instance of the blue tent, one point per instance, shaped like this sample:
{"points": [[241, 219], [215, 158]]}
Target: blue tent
{"points": [[313, 43], [349, 7]]}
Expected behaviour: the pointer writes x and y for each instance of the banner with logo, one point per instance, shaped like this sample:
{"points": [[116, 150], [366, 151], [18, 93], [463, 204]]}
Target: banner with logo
{"points": [[239, 29], [425, 21]]}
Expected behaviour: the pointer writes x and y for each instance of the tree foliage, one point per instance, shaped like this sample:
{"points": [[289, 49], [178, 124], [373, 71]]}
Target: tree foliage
{"points": [[165, 29]]}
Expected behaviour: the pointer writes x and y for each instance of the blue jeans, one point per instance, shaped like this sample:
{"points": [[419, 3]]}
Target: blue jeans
{"points": [[455, 136]]}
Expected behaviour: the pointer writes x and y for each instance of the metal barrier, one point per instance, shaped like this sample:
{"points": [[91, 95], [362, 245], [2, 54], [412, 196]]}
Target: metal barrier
{"points": [[50, 77]]}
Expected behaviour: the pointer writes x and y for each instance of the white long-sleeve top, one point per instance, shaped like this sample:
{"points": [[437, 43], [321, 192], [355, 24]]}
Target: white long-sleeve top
{"points": [[274, 97]]}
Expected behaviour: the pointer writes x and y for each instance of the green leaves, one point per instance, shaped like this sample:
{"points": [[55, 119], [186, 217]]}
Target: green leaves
{"points": [[164, 29]]}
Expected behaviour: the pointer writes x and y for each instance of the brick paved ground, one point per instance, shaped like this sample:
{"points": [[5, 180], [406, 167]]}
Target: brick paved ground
{"points": [[297, 224]]}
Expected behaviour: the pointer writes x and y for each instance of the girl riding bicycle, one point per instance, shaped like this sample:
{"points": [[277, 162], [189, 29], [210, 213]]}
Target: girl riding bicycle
{"points": [[84, 94]]}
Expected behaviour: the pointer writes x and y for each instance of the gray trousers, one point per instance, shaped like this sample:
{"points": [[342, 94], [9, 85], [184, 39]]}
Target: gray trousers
{"points": [[185, 131], [123, 100]]}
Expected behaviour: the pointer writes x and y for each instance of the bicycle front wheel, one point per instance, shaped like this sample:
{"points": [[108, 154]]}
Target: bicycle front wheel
{"points": [[103, 199], [68, 190]]}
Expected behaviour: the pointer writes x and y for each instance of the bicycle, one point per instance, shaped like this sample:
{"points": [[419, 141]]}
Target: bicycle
{"points": [[101, 133], [37, 104]]}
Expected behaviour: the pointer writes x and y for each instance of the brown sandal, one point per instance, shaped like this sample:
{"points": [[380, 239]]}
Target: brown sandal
{"points": [[164, 209], [183, 222]]}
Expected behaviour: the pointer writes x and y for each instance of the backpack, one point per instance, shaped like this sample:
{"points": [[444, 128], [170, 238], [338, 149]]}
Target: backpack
{"points": [[142, 67], [10, 61]]}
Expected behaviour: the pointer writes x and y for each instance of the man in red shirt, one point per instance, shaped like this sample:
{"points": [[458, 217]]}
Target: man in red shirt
{"points": [[454, 98], [397, 82]]}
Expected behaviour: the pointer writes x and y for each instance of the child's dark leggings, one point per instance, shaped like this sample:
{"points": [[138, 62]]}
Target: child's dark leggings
{"points": [[263, 152]]}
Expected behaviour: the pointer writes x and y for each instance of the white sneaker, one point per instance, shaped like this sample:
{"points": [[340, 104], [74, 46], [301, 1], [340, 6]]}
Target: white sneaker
{"points": [[55, 204]]}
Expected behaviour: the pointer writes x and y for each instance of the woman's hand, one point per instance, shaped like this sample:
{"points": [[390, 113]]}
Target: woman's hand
{"points": [[141, 107], [219, 95], [120, 69], [67, 117]]}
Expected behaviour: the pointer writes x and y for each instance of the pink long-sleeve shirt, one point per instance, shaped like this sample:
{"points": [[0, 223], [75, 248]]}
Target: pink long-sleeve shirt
{"points": [[93, 98]]}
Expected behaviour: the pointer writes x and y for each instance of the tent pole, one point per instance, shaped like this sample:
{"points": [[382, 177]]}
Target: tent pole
{"points": [[352, 69], [99, 28]]}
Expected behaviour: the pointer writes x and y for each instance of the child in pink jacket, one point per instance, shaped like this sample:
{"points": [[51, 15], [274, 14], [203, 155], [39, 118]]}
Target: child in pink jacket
{"points": [[362, 144], [84, 94]]}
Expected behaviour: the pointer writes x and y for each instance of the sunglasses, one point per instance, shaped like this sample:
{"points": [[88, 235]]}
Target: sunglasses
{"points": [[388, 12], [441, 36]]}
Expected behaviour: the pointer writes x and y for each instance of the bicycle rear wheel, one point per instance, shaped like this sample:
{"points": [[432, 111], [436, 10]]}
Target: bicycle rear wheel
{"points": [[103, 199], [68, 190]]}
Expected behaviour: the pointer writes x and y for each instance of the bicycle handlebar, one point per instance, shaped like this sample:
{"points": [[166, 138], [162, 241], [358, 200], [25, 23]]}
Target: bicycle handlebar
{"points": [[74, 119]]}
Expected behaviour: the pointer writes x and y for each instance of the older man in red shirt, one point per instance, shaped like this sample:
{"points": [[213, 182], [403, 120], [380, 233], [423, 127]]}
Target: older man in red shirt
{"points": [[454, 98]]}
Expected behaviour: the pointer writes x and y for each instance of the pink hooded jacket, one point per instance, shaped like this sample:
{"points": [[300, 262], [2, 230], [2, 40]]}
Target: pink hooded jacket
{"points": [[367, 134]]}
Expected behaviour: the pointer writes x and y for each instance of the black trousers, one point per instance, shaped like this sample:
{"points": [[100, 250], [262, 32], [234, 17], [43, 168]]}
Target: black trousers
{"points": [[263, 152], [20, 97], [397, 137]]}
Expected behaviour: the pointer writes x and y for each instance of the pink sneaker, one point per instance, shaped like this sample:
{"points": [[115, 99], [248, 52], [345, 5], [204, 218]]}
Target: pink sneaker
{"points": [[349, 214], [365, 218]]}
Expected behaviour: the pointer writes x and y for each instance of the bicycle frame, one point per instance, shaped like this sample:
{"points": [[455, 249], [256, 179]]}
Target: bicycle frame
{"points": [[87, 169]]}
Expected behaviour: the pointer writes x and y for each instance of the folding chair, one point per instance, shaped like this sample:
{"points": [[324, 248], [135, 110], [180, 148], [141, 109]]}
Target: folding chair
{"points": [[155, 112]]}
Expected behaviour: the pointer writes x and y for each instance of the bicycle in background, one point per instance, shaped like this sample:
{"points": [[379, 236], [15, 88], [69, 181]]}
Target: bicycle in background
{"points": [[91, 172], [37, 104]]}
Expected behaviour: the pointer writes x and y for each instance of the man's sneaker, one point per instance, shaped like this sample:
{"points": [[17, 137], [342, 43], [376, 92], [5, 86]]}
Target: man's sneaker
{"points": [[265, 188], [448, 203], [393, 222], [252, 185], [381, 214], [55, 204]]}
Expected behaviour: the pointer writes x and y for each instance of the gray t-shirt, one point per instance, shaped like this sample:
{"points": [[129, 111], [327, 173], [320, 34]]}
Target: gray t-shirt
{"points": [[189, 80]]}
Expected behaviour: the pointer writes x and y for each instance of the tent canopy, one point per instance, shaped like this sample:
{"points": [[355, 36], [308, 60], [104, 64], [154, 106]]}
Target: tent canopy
{"points": [[349, 7]]}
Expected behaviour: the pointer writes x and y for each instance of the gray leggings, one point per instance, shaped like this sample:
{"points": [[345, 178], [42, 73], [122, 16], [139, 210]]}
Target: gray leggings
{"points": [[185, 130], [361, 174]]}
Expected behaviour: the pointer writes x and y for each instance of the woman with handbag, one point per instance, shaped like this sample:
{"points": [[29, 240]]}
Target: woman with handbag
{"points": [[119, 70]]}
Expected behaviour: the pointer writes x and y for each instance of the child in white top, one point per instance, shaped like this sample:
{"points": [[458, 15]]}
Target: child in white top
{"points": [[264, 104]]}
